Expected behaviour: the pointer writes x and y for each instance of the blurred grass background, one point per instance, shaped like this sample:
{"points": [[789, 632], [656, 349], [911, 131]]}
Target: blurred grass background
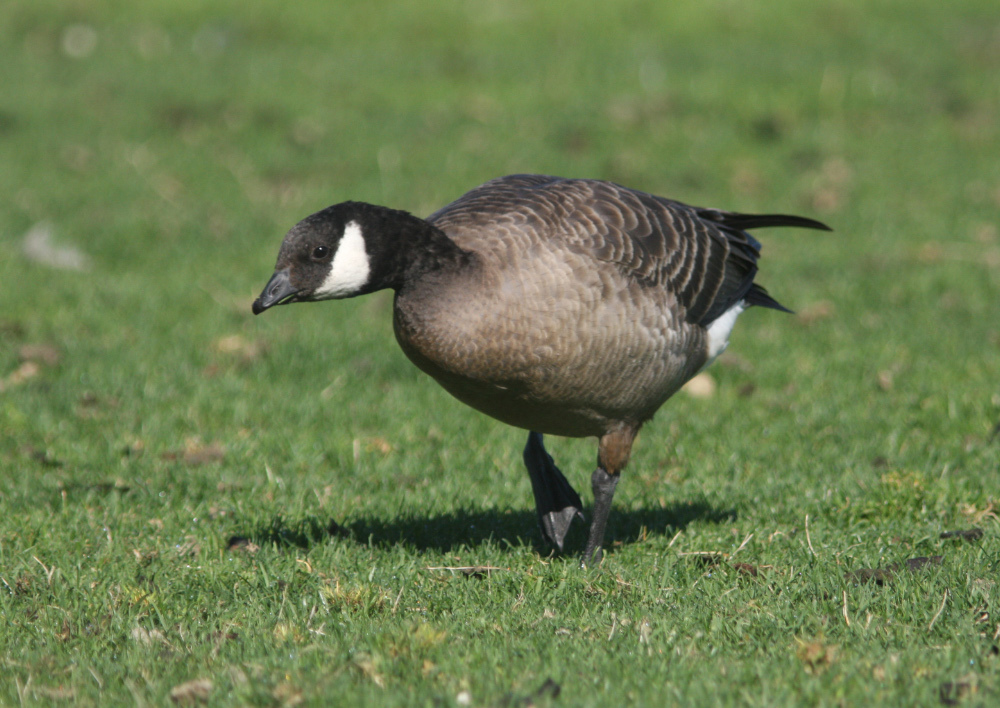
{"points": [[153, 155]]}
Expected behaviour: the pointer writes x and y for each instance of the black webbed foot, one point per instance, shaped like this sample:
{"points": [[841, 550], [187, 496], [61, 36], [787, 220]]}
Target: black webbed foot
{"points": [[556, 502]]}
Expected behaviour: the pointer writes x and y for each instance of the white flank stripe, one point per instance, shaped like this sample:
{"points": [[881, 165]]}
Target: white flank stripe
{"points": [[720, 328], [350, 268]]}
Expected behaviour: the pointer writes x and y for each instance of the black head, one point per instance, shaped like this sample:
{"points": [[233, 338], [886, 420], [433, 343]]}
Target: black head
{"points": [[351, 249], [325, 256]]}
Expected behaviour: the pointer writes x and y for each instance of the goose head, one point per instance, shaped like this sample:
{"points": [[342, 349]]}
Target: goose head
{"points": [[352, 249], [338, 252]]}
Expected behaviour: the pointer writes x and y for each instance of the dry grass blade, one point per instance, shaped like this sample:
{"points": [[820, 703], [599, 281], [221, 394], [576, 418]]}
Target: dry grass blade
{"points": [[191, 692], [944, 601]]}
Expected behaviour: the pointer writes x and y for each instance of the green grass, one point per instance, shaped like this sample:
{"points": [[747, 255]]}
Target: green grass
{"points": [[180, 147]]}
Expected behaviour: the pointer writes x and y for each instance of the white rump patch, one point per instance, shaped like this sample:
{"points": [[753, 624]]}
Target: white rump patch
{"points": [[720, 328], [350, 267]]}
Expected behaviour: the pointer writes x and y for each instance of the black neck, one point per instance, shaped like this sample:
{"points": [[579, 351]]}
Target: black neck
{"points": [[405, 247]]}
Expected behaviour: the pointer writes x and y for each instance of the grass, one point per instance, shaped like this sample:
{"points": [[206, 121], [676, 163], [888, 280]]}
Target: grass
{"points": [[171, 466]]}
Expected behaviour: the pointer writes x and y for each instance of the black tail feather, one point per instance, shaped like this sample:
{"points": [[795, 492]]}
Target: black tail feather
{"points": [[741, 264], [743, 222], [757, 295]]}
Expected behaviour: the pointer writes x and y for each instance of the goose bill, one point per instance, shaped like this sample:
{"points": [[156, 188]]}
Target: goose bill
{"points": [[279, 290]]}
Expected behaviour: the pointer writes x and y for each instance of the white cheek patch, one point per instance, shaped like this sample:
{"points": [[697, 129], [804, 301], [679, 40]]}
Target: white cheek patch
{"points": [[720, 328], [350, 268]]}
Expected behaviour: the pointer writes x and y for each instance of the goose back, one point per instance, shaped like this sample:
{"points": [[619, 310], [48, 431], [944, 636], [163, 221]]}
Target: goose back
{"points": [[586, 304]]}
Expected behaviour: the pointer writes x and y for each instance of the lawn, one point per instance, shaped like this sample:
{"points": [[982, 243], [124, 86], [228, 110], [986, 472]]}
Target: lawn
{"points": [[201, 506]]}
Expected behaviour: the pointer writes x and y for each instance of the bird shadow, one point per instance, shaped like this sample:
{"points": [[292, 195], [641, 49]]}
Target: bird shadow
{"points": [[467, 529]]}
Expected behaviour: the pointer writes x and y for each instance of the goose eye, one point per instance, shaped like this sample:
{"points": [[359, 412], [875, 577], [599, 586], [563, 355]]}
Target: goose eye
{"points": [[320, 252]]}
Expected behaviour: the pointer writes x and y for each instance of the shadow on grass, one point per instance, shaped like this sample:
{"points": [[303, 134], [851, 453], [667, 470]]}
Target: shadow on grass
{"points": [[469, 529]]}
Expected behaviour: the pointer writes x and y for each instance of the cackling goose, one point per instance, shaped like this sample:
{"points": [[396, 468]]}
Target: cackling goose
{"points": [[574, 307]]}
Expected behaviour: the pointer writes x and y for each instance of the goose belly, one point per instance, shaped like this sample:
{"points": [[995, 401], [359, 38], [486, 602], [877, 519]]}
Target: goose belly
{"points": [[575, 360]]}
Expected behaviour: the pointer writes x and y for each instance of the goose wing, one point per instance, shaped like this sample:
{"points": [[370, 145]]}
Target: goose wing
{"points": [[705, 257]]}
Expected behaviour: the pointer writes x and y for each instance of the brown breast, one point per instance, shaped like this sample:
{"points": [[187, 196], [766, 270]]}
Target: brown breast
{"points": [[543, 336]]}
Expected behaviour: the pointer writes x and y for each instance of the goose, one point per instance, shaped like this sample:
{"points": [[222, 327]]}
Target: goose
{"points": [[572, 307]]}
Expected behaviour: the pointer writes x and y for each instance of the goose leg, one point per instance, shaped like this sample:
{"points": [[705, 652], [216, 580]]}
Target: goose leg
{"points": [[556, 502], [612, 455]]}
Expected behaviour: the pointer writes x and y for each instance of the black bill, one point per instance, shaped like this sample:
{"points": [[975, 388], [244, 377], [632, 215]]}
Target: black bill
{"points": [[278, 289]]}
